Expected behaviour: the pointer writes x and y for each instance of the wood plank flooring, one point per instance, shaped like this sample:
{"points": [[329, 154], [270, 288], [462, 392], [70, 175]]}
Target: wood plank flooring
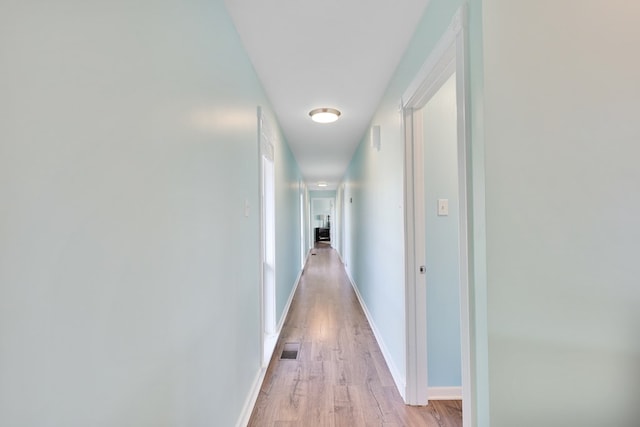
{"points": [[340, 377]]}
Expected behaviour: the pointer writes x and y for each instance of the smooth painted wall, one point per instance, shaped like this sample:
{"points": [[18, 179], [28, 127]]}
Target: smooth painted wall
{"points": [[374, 231], [322, 194], [321, 211], [442, 277], [563, 202], [288, 229], [128, 270], [374, 200]]}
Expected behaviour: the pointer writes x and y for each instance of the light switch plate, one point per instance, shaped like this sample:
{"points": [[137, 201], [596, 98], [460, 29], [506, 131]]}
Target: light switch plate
{"points": [[443, 207]]}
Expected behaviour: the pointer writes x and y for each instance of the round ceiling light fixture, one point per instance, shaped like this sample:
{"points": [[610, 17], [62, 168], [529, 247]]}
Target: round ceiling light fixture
{"points": [[324, 115]]}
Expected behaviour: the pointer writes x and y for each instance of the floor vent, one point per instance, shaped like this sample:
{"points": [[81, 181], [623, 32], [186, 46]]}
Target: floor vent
{"points": [[290, 351]]}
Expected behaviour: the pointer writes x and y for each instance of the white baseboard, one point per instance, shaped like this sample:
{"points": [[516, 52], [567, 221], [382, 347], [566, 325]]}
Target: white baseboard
{"points": [[444, 393], [398, 379], [247, 409], [269, 343]]}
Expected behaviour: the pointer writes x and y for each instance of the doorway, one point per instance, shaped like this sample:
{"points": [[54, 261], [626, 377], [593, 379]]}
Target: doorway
{"points": [[322, 218], [267, 238], [436, 222], [440, 200]]}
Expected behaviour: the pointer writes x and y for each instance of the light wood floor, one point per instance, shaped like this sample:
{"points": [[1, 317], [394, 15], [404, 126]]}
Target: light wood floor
{"points": [[340, 377]]}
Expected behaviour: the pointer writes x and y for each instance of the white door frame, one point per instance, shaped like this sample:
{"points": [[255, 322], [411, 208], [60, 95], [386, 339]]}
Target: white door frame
{"points": [[303, 245], [267, 240], [449, 56], [340, 215]]}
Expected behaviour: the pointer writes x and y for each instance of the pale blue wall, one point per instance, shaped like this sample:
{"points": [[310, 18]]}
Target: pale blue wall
{"points": [[563, 209], [374, 246], [322, 203], [375, 182], [442, 236], [330, 194], [128, 270], [288, 239]]}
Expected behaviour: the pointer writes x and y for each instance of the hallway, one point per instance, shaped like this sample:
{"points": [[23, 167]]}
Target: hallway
{"points": [[340, 377]]}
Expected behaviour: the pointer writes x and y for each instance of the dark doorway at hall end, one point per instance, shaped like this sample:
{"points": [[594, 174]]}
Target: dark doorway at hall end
{"points": [[322, 233]]}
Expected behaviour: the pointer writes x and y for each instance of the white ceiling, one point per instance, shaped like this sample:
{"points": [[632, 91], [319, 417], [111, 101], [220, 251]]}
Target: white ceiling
{"points": [[326, 53]]}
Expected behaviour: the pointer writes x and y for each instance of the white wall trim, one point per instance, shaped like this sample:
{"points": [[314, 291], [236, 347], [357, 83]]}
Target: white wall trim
{"points": [[247, 409], [398, 379], [425, 83], [445, 393], [268, 282]]}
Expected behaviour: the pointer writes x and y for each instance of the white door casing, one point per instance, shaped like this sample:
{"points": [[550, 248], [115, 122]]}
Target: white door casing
{"points": [[448, 57], [267, 238]]}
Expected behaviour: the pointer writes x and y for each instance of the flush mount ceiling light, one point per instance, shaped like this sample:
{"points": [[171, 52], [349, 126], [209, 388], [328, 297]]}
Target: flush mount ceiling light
{"points": [[322, 184], [324, 115]]}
